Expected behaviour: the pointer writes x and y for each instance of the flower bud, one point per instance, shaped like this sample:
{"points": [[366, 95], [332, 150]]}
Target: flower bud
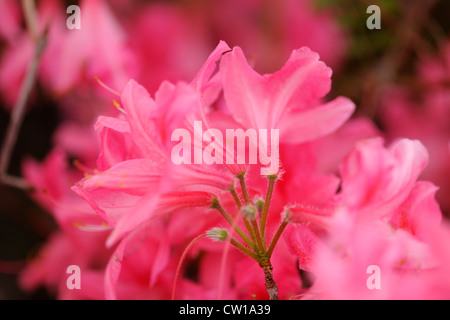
{"points": [[217, 234], [285, 214], [259, 203], [249, 212]]}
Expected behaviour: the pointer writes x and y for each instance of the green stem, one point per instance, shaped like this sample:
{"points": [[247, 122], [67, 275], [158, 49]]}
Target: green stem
{"points": [[249, 229], [243, 187], [244, 249], [272, 180], [276, 237], [216, 205], [235, 196], [259, 242]]}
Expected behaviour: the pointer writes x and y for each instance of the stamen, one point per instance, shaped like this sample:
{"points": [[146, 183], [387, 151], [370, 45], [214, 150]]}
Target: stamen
{"points": [[249, 212], [118, 107], [106, 87], [224, 259], [81, 167], [259, 204], [180, 263], [217, 234]]}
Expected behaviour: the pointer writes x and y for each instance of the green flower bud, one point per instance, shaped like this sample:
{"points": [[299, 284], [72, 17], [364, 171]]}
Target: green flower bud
{"points": [[217, 234]]}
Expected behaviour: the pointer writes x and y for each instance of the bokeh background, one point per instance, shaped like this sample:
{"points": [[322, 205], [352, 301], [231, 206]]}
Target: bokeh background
{"points": [[398, 76]]}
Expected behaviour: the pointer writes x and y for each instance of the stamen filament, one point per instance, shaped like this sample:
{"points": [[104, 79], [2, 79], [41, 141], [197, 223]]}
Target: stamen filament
{"points": [[180, 263], [106, 87]]}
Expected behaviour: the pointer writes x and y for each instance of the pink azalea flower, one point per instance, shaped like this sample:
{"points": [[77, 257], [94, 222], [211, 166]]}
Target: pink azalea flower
{"points": [[82, 233], [382, 217], [52, 179], [144, 201], [138, 181], [375, 179], [10, 25], [292, 24], [408, 268], [422, 113], [370, 188], [49, 267], [289, 99], [168, 44], [312, 172], [427, 121], [71, 58], [118, 192], [78, 54]]}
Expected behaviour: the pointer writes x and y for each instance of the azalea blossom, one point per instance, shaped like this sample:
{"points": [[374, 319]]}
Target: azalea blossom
{"points": [[422, 114], [211, 151], [138, 182], [375, 220]]}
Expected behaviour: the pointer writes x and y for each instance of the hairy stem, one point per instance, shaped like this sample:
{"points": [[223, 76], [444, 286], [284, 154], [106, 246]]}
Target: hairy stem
{"points": [[243, 187], [261, 246], [271, 285], [276, 237], [272, 180], [216, 205], [235, 196], [244, 249], [180, 263]]}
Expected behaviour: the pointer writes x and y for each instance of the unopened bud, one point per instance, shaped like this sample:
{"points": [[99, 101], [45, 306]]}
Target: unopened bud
{"points": [[249, 212], [285, 214], [259, 203], [214, 203], [217, 234]]}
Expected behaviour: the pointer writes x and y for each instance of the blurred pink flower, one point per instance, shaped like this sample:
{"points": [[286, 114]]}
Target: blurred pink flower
{"points": [[423, 115], [72, 58], [382, 217], [268, 31], [409, 268], [10, 24], [81, 233], [168, 44]]}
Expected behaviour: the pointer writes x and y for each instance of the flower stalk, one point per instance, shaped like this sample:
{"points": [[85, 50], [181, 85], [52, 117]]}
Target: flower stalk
{"points": [[254, 217], [272, 179]]}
